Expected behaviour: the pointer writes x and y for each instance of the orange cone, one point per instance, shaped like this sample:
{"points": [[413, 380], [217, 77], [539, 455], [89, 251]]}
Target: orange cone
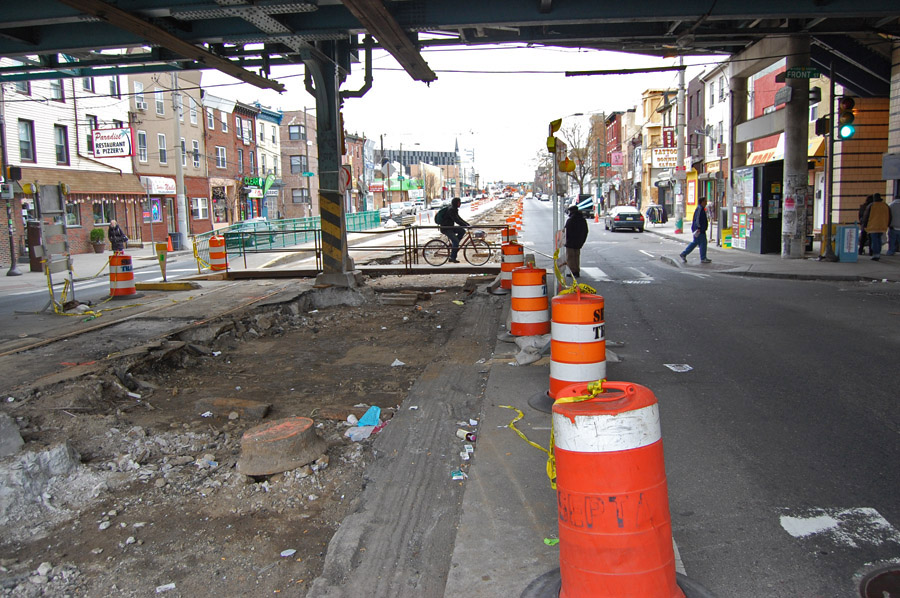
{"points": [[170, 243]]}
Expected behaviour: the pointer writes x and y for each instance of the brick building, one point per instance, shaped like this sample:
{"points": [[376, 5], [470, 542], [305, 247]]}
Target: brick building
{"points": [[299, 154]]}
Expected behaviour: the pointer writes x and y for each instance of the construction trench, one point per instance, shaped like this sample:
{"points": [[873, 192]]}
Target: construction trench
{"points": [[119, 446]]}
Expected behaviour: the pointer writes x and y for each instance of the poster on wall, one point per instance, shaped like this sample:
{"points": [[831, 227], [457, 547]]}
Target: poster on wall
{"points": [[692, 193], [743, 187]]}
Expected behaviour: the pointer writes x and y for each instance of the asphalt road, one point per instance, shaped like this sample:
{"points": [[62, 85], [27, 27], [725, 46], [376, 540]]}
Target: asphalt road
{"points": [[781, 440]]}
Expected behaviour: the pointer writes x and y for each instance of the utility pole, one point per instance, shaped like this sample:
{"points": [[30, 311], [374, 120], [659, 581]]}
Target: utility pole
{"points": [[180, 202], [13, 263], [829, 173], [679, 151]]}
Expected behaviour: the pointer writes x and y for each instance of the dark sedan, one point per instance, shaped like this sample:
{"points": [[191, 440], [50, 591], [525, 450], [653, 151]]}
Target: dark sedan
{"points": [[625, 217]]}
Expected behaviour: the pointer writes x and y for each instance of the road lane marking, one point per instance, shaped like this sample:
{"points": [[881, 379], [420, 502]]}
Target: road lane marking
{"points": [[844, 527], [595, 273], [647, 253]]}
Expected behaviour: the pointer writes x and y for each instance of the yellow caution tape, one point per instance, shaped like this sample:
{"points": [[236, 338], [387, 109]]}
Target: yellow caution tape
{"points": [[576, 287], [594, 389]]}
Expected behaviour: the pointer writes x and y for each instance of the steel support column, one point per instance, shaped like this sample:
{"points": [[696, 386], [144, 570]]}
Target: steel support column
{"points": [[796, 148], [323, 81]]}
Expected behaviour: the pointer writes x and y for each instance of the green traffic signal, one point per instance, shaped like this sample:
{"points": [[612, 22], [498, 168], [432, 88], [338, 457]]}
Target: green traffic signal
{"points": [[845, 119]]}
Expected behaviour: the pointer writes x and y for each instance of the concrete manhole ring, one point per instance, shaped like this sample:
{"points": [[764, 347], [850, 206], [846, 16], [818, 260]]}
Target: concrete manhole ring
{"points": [[881, 583]]}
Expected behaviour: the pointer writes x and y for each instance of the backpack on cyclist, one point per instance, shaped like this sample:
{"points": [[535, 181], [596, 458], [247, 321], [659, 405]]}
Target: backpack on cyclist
{"points": [[439, 217]]}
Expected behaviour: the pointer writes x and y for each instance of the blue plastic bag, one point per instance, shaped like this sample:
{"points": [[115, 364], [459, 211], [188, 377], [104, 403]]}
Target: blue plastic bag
{"points": [[371, 418]]}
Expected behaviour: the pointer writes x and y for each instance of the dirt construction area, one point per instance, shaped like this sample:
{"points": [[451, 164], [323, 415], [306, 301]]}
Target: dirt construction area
{"points": [[125, 482]]}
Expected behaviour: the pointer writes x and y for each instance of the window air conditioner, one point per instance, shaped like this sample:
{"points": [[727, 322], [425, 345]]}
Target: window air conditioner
{"points": [[141, 105]]}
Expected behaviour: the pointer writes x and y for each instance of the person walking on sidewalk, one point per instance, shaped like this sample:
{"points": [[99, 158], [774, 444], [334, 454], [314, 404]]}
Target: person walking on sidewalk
{"points": [[116, 236], [576, 234], [699, 226], [894, 230], [876, 221], [863, 237], [455, 233]]}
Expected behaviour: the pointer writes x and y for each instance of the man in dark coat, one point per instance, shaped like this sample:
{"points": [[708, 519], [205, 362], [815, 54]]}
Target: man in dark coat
{"points": [[699, 226], [576, 235], [449, 228], [116, 236]]}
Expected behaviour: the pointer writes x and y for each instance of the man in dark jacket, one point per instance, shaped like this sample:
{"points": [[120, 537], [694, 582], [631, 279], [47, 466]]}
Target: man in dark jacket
{"points": [[576, 235], [876, 221], [698, 226], [116, 236], [449, 228]]}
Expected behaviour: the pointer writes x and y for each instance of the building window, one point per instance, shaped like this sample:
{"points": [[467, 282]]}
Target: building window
{"points": [[138, 92], [142, 146], [23, 87], [56, 90], [161, 143], [104, 212], [195, 147], [61, 140], [262, 132], [237, 128], [160, 102], [299, 164], [183, 152], [210, 119], [224, 122], [721, 89], [262, 164], [199, 208], [248, 132], [114, 90], [220, 157], [240, 156], [712, 93], [192, 107], [721, 132], [813, 113], [73, 214], [297, 132], [92, 124], [118, 124], [87, 84], [252, 163], [274, 134], [300, 195]]}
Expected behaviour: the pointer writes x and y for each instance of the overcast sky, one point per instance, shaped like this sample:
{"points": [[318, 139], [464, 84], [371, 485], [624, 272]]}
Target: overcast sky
{"points": [[498, 102]]}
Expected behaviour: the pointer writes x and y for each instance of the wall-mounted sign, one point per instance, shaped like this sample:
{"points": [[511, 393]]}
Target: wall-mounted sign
{"points": [[668, 135], [664, 157], [255, 193], [158, 185], [112, 143]]}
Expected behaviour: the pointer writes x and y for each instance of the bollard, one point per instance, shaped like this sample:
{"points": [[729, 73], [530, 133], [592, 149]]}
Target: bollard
{"points": [[529, 309], [513, 257], [615, 531], [218, 257], [577, 341], [121, 277]]}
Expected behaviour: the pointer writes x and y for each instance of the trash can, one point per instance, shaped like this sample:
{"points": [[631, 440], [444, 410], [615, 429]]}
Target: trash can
{"points": [[847, 242]]}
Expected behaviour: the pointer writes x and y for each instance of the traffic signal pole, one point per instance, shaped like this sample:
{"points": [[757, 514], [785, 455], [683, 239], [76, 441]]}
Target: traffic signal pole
{"points": [[829, 172], [13, 263]]}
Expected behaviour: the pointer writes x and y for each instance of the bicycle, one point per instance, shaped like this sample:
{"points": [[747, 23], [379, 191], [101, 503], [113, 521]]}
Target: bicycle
{"points": [[473, 247]]}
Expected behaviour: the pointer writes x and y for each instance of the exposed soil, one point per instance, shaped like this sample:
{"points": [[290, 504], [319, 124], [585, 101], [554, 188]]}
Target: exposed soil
{"points": [[149, 494]]}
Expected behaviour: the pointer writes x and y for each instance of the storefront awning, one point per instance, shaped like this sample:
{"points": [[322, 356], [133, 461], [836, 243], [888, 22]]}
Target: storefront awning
{"points": [[158, 185], [84, 181], [815, 149]]}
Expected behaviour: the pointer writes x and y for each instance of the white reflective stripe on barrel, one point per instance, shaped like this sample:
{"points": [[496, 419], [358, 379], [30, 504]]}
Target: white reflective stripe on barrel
{"points": [[506, 275], [607, 433], [529, 291], [578, 333], [577, 372], [518, 258], [530, 317]]}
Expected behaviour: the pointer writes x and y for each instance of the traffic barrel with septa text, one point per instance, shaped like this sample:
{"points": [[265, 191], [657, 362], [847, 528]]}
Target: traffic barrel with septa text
{"points": [[577, 340], [218, 256], [529, 307], [615, 531], [513, 256], [121, 277]]}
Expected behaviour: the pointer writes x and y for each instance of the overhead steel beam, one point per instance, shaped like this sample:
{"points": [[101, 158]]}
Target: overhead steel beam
{"points": [[373, 15], [129, 22]]}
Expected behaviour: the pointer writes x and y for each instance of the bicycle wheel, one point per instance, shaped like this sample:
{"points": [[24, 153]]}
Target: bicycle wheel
{"points": [[436, 252], [477, 252]]}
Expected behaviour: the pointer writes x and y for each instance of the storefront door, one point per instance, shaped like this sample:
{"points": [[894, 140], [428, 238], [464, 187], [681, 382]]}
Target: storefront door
{"points": [[170, 215]]}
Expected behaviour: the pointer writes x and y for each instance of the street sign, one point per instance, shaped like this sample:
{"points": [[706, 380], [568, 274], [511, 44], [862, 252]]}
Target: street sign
{"points": [[307, 174], [783, 95], [344, 178], [605, 164], [802, 72]]}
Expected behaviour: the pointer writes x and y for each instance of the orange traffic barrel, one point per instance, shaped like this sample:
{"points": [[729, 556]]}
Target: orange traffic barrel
{"points": [[530, 308], [511, 223], [121, 277], [513, 257], [218, 258], [508, 235], [615, 531], [577, 341]]}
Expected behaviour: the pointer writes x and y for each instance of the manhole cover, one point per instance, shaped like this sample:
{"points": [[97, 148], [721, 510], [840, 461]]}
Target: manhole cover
{"points": [[883, 583]]}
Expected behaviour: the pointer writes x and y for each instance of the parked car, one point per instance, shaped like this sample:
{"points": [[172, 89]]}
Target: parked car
{"points": [[409, 208], [624, 217], [529, 195], [544, 196], [437, 203], [385, 213]]}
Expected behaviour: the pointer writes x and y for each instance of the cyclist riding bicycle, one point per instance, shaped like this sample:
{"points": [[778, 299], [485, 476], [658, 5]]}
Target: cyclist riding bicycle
{"points": [[454, 233]]}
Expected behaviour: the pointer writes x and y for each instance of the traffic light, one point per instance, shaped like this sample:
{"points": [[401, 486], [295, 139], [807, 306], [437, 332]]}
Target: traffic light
{"points": [[13, 173], [823, 125], [845, 119]]}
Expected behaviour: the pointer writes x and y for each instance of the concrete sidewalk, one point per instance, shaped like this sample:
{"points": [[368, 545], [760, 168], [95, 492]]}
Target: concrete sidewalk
{"points": [[745, 263]]}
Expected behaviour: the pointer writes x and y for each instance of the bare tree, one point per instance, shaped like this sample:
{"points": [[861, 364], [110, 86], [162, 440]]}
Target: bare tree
{"points": [[432, 182], [580, 140]]}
